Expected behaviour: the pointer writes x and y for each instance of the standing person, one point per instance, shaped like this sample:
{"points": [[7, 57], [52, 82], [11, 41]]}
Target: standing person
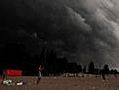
{"points": [[40, 69], [103, 75], [4, 75]]}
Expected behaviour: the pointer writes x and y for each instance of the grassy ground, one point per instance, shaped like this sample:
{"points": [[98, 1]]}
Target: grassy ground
{"points": [[65, 83]]}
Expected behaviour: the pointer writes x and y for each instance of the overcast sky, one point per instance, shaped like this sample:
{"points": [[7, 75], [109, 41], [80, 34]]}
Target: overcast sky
{"points": [[82, 30]]}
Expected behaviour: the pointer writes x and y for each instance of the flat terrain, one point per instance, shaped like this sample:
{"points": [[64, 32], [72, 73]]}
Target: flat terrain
{"points": [[65, 83]]}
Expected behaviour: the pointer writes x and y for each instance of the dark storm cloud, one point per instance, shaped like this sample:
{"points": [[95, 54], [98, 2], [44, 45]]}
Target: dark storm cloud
{"points": [[82, 30]]}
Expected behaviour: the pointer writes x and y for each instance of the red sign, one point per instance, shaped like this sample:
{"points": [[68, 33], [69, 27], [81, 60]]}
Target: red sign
{"points": [[12, 72]]}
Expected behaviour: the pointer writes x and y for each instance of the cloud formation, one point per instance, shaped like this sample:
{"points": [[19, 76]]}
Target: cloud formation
{"points": [[84, 30]]}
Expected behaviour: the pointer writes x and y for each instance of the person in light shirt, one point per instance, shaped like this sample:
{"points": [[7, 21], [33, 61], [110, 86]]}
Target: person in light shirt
{"points": [[40, 69]]}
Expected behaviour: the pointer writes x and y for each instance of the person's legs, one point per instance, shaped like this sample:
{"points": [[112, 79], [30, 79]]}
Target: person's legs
{"points": [[39, 77], [38, 80]]}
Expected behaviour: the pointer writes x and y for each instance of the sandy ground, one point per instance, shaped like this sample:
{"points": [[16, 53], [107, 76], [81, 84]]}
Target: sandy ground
{"points": [[65, 83]]}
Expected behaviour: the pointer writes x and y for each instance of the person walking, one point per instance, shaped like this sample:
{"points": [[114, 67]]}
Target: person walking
{"points": [[40, 69]]}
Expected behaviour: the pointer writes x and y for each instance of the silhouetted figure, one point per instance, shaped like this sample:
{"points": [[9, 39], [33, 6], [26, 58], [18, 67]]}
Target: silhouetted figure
{"points": [[4, 75], [115, 73], [105, 71], [40, 69], [103, 74]]}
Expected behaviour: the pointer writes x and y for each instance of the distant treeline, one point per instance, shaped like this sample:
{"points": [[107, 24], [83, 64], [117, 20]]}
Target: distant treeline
{"points": [[14, 55]]}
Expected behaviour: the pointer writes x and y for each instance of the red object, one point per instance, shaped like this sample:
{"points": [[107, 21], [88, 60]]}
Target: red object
{"points": [[12, 72]]}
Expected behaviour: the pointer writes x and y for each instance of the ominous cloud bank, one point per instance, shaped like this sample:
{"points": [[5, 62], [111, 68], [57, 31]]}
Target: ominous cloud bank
{"points": [[82, 30]]}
